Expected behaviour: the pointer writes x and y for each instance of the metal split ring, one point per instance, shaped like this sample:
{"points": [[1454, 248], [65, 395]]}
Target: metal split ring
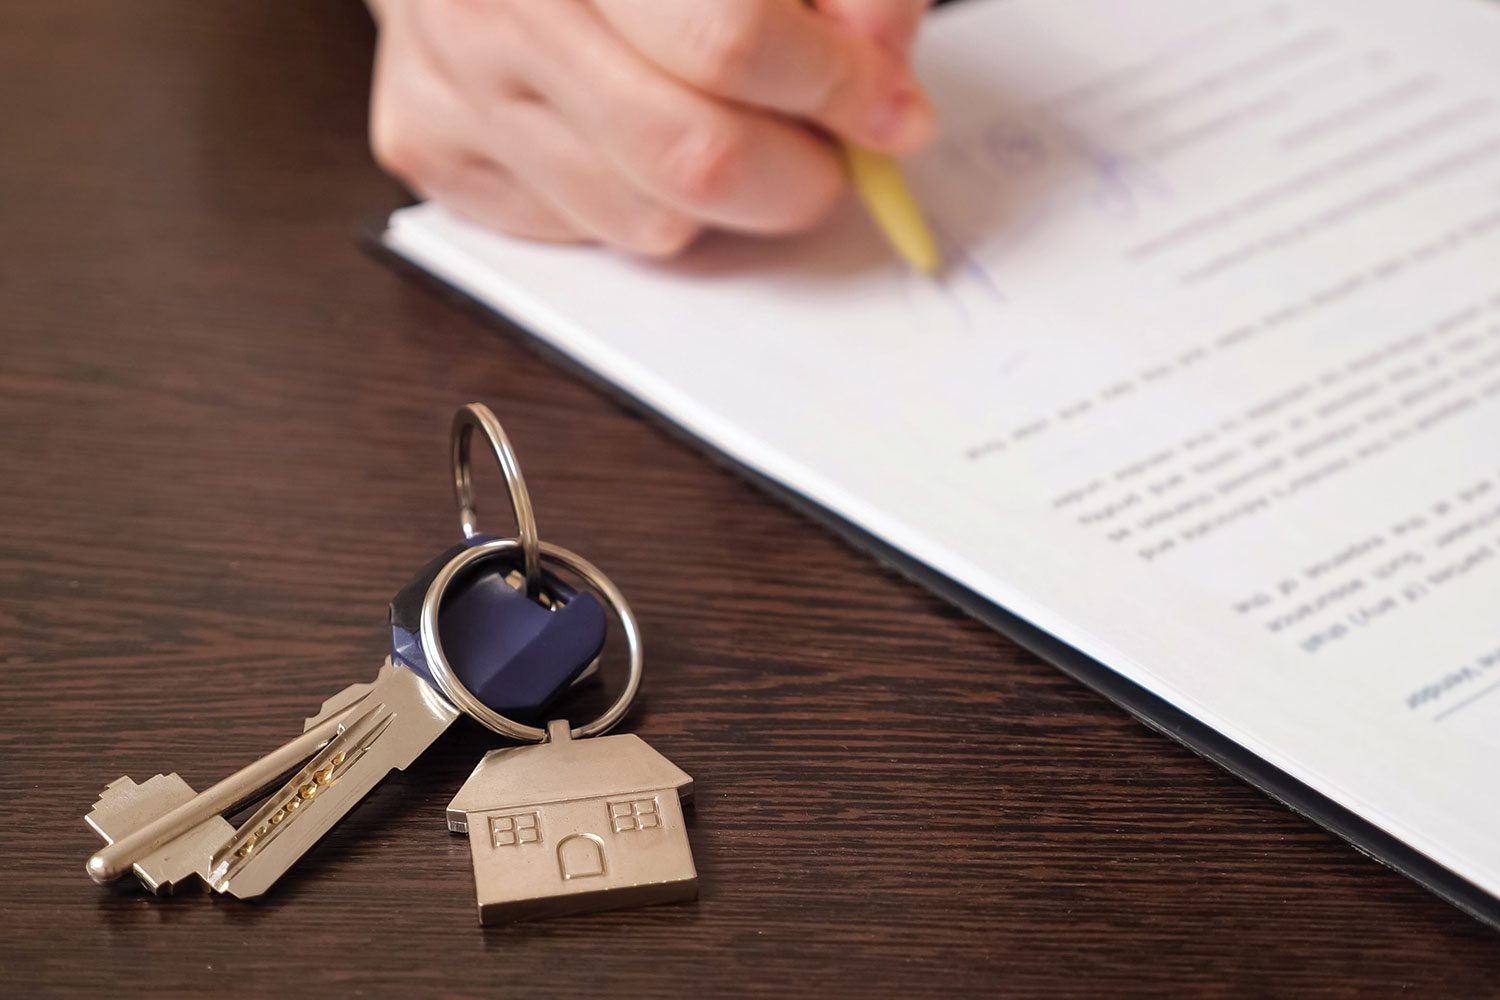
{"points": [[478, 415], [454, 690]]}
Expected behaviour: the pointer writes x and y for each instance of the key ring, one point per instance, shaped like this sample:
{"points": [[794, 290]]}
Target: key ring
{"points": [[468, 417], [448, 682]]}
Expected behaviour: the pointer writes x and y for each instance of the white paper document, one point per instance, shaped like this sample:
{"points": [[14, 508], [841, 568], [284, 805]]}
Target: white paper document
{"points": [[1210, 389]]}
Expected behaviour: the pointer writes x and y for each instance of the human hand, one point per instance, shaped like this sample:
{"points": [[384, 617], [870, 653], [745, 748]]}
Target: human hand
{"points": [[636, 123]]}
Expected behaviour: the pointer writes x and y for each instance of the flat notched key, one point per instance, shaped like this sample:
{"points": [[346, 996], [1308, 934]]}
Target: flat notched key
{"points": [[170, 836], [153, 827], [516, 654]]}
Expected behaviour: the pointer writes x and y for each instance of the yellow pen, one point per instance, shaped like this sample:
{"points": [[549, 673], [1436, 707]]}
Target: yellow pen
{"points": [[880, 185]]}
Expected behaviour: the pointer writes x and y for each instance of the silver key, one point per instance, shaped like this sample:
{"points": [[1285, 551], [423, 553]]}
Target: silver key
{"points": [[171, 837]]}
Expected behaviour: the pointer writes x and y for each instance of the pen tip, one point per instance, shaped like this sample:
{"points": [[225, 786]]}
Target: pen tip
{"points": [[881, 186]]}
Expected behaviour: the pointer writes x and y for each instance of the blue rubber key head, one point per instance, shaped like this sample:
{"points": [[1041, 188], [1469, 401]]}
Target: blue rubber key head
{"points": [[515, 654]]}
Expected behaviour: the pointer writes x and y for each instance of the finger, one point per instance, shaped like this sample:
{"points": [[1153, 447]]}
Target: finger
{"points": [[892, 23], [417, 130], [534, 176], [718, 162], [575, 180], [474, 46], [490, 195], [781, 55]]}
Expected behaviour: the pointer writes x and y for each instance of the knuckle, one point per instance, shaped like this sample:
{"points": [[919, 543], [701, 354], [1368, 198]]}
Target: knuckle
{"points": [[700, 164], [410, 157], [725, 43], [394, 146], [395, 142]]}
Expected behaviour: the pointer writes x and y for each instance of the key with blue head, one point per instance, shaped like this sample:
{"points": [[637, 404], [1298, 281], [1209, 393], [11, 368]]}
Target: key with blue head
{"points": [[517, 654]]}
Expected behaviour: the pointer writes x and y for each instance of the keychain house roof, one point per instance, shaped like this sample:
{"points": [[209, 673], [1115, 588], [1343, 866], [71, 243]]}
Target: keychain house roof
{"points": [[569, 825]]}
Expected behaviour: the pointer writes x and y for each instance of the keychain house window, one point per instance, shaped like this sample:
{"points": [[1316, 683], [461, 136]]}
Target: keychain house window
{"points": [[515, 830], [636, 814]]}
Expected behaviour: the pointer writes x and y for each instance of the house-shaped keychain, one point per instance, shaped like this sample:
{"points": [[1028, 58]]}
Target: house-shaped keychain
{"points": [[570, 825]]}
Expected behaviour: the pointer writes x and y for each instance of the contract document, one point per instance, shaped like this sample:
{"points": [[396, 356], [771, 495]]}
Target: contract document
{"points": [[1209, 389]]}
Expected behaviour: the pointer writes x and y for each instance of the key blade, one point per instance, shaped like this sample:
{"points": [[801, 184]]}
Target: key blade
{"points": [[318, 776], [404, 717]]}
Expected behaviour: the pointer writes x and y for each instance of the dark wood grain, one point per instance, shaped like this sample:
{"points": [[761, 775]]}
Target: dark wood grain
{"points": [[222, 437]]}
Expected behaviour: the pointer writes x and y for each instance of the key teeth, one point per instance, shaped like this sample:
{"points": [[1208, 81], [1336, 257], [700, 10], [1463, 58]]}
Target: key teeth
{"points": [[125, 806], [113, 790], [118, 795]]}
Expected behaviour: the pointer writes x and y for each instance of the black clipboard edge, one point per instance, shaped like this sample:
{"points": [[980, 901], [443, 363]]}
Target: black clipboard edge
{"points": [[1146, 707]]}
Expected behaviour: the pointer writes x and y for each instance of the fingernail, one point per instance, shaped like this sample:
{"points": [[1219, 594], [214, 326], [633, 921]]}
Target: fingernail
{"points": [[903, 121]]}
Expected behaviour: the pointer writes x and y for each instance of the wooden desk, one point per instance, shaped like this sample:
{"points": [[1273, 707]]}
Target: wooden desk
{"points": [[223, 433]]}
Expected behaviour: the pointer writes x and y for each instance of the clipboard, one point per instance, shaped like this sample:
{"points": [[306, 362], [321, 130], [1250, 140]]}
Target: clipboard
{"points": [[1148, 708]]}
